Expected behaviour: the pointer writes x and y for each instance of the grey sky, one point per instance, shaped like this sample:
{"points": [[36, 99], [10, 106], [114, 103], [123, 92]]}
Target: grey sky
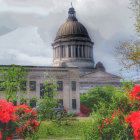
{"points": [[28, 27]]}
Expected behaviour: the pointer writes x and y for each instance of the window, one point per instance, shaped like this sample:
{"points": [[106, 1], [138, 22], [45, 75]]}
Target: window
{"points": [[42, 90], [73, 103], [1, 87], [23, 86], [73, 85], [32, 85], [60, 85], [60, 102]]}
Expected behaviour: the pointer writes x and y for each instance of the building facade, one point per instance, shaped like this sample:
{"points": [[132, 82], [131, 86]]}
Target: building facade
{"points": [[73, 66]]}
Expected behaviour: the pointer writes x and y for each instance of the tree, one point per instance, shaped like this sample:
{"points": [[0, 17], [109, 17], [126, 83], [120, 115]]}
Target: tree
{"points": [[130, 51], [135, 6], [130, 54], [12, 81], [48, 100]]}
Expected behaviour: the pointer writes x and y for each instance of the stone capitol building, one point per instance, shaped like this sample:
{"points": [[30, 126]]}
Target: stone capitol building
{"points": [[73, 66]]}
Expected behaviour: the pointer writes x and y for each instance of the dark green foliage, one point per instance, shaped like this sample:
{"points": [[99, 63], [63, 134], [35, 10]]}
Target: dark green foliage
{"points": [[33, 102], [94, 96]]}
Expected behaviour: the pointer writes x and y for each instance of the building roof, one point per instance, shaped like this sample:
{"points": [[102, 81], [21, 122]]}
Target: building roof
{"points": [[72, 28]]}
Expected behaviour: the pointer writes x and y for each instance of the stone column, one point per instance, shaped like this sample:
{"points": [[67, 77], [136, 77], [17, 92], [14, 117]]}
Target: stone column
{"points": [[56, 53], [87, 51], [71, 51], [92, 52], [66, 51], [53, 53], [82, 55], [74, 55], [78, 51], [59, 52]]}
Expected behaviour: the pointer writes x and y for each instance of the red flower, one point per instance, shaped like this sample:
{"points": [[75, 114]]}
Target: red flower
{"points": [[116, 113], [106, 121], [84, 110], [9, 138], [135, 94], [134, 120], [19, 130], [65, 108], [34, 112], [6, 111], [0, 135]]}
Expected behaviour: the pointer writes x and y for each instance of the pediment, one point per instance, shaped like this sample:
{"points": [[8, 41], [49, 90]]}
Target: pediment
{"points": [[99, 74]]}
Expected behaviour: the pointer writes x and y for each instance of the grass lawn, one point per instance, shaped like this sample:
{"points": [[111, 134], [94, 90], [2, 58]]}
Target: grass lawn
{"points": [[71, 128]]}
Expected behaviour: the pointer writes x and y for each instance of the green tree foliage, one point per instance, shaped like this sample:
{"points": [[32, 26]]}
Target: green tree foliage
{"points": [[13, 80], [48, 100], [95, 96]]}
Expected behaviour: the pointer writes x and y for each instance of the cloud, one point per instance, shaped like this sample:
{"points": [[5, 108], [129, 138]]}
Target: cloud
{"points": [[24, 46], [34, 25], [5, 7]]}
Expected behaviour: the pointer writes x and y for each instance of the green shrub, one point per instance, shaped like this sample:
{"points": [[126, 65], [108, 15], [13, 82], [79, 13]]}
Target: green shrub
{"points": [[110, 120], [94, 96]]}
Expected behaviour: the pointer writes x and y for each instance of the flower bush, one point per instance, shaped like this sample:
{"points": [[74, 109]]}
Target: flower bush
{"points": [[20, 120], [120, 123], [27, 123], [84, 111]]}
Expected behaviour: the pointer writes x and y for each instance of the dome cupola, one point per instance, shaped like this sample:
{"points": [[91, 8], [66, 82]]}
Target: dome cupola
{"points": [[72, 45], [72, 28]]}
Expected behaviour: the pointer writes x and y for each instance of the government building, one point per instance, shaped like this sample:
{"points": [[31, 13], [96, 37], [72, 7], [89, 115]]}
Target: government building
{"points": [[74, 69]]}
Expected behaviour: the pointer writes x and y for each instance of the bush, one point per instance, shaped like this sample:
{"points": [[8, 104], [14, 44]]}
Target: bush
{"points": [[121, 120], [20, 120], [94, 96], [84, 111]]}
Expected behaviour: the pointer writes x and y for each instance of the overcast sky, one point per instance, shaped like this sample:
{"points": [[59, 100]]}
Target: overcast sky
{"points": [[29, 27]]}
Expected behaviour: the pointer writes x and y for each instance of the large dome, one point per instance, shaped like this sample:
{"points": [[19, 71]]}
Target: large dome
{"points": [[72, 46], [72, 28]]}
